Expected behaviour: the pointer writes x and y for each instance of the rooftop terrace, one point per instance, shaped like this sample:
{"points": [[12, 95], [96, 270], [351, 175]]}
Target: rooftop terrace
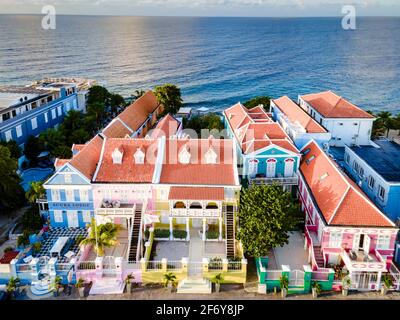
{"points": [[385, 160]]}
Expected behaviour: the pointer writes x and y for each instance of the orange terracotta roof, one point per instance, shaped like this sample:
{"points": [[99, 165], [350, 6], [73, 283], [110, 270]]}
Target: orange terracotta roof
{"points": [[77, 147], [60, 162], [167, 126], [198, 171], [86, 160], [340, 202], [116, 129], [253, 134], [330, 105], [137, 113], [297, 115], [128, 171], [196, 193]]}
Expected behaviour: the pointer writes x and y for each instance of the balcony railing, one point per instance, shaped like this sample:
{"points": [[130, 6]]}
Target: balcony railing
{"points": [[116, 210], [187, 212], [362, 262], [275, 180]]}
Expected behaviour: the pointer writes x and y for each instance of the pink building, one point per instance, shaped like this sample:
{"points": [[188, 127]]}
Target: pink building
{"points": [[343, 227]]}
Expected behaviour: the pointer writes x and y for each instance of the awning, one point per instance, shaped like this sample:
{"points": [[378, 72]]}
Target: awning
{"points": [[193, 193]]}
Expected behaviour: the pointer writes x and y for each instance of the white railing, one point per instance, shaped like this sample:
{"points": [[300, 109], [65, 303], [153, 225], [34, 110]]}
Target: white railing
{"points": [[215, 265], [296, 278], [86, 265], [196, 212], [64, 266], [154, 265], [379, 256], [174, 265], [278, 180], [320, 275], [234, 265], [395, 272], [273, 274], [116, 211]]}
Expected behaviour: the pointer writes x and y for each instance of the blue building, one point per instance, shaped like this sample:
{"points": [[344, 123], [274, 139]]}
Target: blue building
{"points": [[376, 169], [30, 110], [265, 153]]}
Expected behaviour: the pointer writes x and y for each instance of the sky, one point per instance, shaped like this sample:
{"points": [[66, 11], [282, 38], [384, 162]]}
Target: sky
{"points": [[266, 8]]}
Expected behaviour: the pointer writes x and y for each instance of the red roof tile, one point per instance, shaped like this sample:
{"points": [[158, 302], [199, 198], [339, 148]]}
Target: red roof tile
{"points": [[297, 115], [330, 105], [77, 147], [116, 129], [340, 202], [8, 256], [198, 171], [167, 126], [128, 171], [86, 160], [196, 193], [60, 162]]}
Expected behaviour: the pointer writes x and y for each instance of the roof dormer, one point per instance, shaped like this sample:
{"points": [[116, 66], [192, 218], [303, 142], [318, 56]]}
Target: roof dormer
{"points": [[211, 156], [184, 155], [117, 155], [139, 156]]}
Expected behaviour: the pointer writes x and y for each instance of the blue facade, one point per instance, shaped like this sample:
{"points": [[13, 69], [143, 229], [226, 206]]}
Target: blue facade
{"points": [[46, 116], [70, 199], [376, 169]]}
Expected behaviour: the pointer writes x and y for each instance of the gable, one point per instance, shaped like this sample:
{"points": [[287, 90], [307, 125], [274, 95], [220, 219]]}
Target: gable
{"points": [[59, 178]]}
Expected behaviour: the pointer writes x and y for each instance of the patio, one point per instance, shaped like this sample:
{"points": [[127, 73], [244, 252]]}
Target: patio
{"points": [[171, 250], [215, 249], [292, 254], [119, 250]]}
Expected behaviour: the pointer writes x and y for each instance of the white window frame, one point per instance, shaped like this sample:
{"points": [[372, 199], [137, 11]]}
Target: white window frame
{"points": [[8, 135], [55, 195], [253, 167], [68, 178], [53, 114], [347, 158], [58, 216], [46, 117], [18, 129], [383, 242], [69, 195], [84, 195], [86, 216], [34, 123], [59, 111], [164, 218], [335, 239], [380, 196], [371, 185]]}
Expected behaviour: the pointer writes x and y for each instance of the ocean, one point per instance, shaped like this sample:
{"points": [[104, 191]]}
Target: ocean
{"points": [[215, 61]]}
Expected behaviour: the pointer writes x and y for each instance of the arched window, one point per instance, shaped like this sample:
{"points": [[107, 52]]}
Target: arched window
{"points": [[179, 205], [195, 205], [289, 167], [211, 205], [253, 167], [271, 168]]}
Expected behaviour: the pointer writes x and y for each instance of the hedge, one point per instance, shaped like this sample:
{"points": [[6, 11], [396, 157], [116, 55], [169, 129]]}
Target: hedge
{"points": [[179, 234], [161, 233]]}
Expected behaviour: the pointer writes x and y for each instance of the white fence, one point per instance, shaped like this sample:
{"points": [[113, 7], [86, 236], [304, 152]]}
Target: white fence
{"points": [[234, 265], [296, 278], [86, 265]]}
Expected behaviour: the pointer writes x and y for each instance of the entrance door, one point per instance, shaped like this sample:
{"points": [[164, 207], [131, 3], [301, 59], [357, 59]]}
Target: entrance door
{"points": [[197, 223], [72, 217], [289, 166], [366, 244], [271, 168]]}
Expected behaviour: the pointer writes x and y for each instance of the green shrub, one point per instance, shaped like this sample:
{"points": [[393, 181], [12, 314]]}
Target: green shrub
{"points": [[161, 233], [211, 234], [179, 234], [23, 240], [32, 220], [8, 249], [36, 247]]}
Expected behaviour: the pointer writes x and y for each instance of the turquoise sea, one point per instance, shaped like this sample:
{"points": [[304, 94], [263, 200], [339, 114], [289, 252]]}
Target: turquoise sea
{"points": [[215, 61]]}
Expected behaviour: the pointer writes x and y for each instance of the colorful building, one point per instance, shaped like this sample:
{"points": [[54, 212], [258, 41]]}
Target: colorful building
{"points": [[297, 123], [26, 111], [343, 227], [347, 123], [376, 169], [264, 150]]}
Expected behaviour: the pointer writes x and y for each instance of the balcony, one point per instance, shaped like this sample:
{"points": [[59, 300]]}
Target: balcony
{"points": [[284, 181], [199, 213], [361, 261], [116, 209]]}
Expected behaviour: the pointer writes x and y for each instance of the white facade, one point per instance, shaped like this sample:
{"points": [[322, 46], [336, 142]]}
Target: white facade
{"points": [[344, 131]]}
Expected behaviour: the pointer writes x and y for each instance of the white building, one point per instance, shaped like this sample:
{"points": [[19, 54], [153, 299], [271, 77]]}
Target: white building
{"points": [[347, 123]]}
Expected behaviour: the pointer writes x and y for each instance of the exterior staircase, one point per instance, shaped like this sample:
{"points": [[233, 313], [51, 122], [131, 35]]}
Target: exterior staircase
{"points": [[134, 244], [319, 258], [230, 232], [197, 286]]}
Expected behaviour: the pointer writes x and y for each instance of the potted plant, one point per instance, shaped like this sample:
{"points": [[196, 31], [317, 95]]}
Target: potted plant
{"points": [[12, 287], [169, 280], [284, 283], [316, 289], [128, 282], [80, 285], [346, 283], [217, 280], [387, 284], [57, 285]]}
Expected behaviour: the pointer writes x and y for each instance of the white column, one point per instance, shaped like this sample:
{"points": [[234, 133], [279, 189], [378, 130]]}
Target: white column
{"points": [[187, 229], [220, 228], [204, 229], [378, 280], [170, 228]]}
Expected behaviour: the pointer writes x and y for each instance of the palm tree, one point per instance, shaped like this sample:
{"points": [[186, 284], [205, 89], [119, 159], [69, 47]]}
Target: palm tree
{"points": [[35, 192], [57, 285], [385, 119], [169, 279], [138, 93], [13, 286], [102, 236]]}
